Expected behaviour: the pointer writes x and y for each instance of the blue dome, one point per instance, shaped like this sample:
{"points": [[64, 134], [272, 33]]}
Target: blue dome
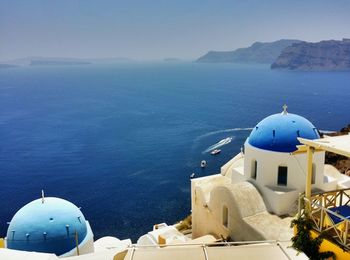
{"points": [[48, 226], [279, 132]]}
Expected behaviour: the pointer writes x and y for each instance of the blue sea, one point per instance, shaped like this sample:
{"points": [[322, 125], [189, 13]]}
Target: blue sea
{"points": [[121, 140]]}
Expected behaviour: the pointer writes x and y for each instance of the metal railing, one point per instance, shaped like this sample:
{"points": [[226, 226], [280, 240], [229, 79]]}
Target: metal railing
{"points": [[325, 218]]}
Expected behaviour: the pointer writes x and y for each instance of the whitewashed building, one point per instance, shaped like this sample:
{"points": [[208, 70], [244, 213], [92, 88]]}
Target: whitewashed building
{"points": [[260, 186]]}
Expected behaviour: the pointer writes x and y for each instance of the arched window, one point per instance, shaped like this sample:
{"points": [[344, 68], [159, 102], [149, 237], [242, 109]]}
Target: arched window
{"points": [[254, 169], [225, 216], [282, 175]]}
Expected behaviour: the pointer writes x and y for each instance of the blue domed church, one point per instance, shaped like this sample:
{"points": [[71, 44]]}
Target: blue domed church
{"points": [[50, 225], [274, 163], [279, 132], [255, 192]]}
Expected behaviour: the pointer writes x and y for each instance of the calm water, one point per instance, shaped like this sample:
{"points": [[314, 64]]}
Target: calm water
{"points": [[121, 141]]}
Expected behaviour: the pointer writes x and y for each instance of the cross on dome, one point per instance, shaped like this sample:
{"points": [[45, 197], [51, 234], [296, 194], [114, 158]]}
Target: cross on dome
{"points": [[285, 109], [42, 196]]}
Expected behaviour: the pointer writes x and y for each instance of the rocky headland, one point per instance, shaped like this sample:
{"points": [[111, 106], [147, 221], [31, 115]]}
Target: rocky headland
{"points": [[259, 52], [325, 56]]}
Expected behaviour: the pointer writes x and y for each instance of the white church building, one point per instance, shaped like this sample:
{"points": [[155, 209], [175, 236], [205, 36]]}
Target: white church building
{"points": [[255, 192]]}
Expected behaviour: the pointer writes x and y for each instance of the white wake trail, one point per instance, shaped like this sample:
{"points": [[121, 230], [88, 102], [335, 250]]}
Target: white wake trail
{"points": [[229, 130], [219, 144]]}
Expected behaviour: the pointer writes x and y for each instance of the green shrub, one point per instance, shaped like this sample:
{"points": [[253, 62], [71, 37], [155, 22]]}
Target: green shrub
{"points": [[303, 241]]}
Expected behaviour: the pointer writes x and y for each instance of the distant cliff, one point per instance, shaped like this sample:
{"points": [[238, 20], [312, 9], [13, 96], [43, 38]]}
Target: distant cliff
{"points": [[259, 52], [324, 55]]}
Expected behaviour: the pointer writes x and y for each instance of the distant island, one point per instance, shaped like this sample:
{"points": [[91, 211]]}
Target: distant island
{"points": [[6, 66], [46, 62], [259, 52], [324, 55], [58, 61]]}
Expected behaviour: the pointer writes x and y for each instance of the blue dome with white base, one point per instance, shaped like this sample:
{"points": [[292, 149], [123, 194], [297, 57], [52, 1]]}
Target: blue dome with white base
{"points": [[279, 132], [49, 225]]}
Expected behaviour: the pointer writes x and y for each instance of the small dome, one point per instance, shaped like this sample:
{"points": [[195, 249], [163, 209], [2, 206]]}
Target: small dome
{"points": [[279, 132], [47, 225]]}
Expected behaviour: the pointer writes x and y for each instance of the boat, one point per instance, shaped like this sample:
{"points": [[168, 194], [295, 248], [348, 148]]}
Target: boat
{"points": [[192, 175], [203, 163], [216, 151]]}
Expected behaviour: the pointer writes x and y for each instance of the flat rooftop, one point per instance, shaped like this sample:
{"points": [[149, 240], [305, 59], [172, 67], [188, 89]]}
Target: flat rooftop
{"points": [[336, 144], [253, 251]]}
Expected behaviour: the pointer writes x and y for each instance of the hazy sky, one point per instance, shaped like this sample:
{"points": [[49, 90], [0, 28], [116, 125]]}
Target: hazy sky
{"points": [[155, 29]]}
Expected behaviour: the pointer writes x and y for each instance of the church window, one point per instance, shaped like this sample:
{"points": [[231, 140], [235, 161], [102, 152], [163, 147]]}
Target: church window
{"points": [[225, 216], [254, 169], [282, 175]]}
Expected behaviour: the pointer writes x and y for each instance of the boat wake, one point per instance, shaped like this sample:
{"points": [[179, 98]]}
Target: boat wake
{"points": [[198, 140], [218, 144], [230, 130]]}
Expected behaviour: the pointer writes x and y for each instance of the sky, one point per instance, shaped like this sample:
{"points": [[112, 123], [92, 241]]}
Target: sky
{"points": [[156, 29]]}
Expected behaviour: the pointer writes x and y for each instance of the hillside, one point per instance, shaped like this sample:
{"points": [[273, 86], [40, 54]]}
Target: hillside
{"points": [[258, 52], [324, 55]]}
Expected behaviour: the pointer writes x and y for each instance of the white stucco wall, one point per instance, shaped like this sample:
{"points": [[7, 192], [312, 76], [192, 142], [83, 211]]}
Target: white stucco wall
{"points": [[280, 198], [242, 200], [269, 161], [235, 189]]}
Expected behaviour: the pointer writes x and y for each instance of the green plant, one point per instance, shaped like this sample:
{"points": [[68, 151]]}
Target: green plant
{"points": [[302, 241]]}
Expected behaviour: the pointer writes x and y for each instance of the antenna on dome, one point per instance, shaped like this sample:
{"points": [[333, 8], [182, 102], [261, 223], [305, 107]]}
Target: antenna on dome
{"points": [[42, 196], [285, 109]]}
